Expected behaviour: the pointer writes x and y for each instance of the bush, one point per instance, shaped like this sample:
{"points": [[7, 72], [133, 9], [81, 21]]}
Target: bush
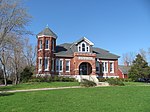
{"points": [[87, 83], [52, 79], [115, 81], [102, 79], [26, 74]]}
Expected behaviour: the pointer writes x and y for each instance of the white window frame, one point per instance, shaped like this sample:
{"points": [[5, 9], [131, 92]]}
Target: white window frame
{"points": [[112, 66], [79, 48], [46, 44], [58, 62], [57, 65], [105, 70], [46, 69], [69, 65], [40, 64], [40, 44], [86, 46]]}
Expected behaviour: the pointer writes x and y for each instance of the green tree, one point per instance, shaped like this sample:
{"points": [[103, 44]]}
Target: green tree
{"points": [[139, 69], [26, 74]]}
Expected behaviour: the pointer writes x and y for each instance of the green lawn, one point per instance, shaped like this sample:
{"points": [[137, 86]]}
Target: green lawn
{"points": [[36, 85], [99, 99]]}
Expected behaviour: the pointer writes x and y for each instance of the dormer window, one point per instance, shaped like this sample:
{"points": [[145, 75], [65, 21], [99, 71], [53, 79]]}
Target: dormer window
{"points": [[79, 48], [83, 47], [87, 48]]}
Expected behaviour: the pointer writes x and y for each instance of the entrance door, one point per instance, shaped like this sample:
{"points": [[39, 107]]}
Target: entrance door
{"points": [[85, 68]]}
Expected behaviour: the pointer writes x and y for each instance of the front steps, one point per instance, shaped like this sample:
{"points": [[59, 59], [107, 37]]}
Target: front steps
{"points": [[91, 78]]}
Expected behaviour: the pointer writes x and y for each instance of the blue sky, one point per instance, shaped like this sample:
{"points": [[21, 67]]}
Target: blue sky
{"points": [[119, 26]]}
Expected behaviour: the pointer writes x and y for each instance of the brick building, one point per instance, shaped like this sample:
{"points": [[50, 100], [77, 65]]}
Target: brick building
{"points": [[77, 58]]}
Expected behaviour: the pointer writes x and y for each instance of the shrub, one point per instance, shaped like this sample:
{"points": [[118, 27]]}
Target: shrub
{"points": [[115, 81], [26, 74], [87, 83], [102, 79], [52, 79]]}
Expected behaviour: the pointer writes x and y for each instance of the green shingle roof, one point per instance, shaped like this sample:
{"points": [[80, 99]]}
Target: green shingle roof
{"points": [[47, 31]]}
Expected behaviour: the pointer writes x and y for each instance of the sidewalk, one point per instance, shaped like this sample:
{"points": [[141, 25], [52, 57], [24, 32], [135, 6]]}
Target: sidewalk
{"points": [[39, 89]]}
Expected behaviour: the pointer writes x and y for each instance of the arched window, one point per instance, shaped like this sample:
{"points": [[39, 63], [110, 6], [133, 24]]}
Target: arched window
{"points": [[83, 47]]}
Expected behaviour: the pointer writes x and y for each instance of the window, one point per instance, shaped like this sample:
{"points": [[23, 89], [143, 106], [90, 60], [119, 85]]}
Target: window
{"points": [[97, 67], [46, 64], [53, 45], [79, 48], [87, 48], [105, 67], [40, 44], [40, 64], [83, 47], [46, 44], [52, 65], [67, 65], [59, 65], [111, 67]]}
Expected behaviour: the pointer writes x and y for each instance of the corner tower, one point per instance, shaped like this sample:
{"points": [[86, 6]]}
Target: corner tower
{"points": [[46, 43]]}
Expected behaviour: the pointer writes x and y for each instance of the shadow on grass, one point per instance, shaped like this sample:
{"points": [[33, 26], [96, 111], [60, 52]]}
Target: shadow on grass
{"points": [[9, 87], [5, 94]]}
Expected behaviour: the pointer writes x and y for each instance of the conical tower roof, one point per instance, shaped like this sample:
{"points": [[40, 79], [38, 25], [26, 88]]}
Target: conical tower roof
{"points": [[48, 32]]}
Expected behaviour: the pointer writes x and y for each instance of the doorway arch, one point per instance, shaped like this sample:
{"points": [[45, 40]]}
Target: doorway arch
{"points": [[85, 68]]}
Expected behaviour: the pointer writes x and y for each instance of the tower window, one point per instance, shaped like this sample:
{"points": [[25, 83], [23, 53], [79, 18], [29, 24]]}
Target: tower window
{"points": [[46, 63], [46, 44], [52, 65], [53, 45], [40, 64], [40, 44]]}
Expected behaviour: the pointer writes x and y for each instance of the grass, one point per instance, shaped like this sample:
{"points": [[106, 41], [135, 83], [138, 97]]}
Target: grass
{"points": [[99, 99], [36, 85], [136, 84]]}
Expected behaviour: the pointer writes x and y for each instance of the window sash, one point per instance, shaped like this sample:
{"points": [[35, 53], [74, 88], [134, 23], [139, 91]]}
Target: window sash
{"points": [[40, 64], [46, 44], [40, 44], [105, 67], [111, 67], [67, 65], [59, 65], [46, 64], [52, 65]]}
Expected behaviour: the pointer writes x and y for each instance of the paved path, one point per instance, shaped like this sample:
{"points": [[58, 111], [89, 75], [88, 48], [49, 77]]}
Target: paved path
{"points": [[39, 89]]}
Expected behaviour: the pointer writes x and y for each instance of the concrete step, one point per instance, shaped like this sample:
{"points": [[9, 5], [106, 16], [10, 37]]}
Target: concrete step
{"points": [[88, 77]]}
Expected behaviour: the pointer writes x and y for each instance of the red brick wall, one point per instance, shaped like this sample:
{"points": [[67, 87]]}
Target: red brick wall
{"points": [[45, 53]]}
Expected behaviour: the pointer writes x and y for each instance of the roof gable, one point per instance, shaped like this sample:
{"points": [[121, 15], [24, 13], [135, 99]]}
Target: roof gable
{"points": [[86, 40]]}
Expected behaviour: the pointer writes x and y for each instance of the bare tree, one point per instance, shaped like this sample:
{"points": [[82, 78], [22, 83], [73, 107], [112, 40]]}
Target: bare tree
{"points": [[13, 19], [143, 53], [128, 57], [29, 52]]}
